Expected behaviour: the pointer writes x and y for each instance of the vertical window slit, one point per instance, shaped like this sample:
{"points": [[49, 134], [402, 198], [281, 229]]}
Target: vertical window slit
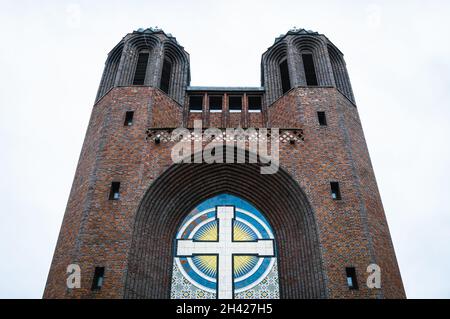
{"points": [[322, 118], [129, 118], [285, 80], [114, 193]]}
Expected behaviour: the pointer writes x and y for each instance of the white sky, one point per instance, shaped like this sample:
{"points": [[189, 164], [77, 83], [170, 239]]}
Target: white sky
{"points": [[51, 59]]}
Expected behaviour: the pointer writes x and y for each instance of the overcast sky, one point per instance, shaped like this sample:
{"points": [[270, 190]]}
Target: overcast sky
{"points": [[51, 59]]}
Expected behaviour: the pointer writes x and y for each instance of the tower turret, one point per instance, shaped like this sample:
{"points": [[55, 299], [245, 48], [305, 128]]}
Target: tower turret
{"points": [[303, 58]]}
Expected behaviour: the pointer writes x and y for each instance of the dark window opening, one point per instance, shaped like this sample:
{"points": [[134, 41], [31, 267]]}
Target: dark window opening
{"points": [[196, 103], [322, 118], [285, 80], [165, 76], [215, 104], [114, 194], [254, 103], [97, 281], [351, 278], [310, 71], [129, 118], [235, 103], [141, 69], [335, 190]]}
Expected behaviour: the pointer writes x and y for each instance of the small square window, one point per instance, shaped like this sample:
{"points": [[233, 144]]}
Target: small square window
{"points": [[129, 118], [215, 104], [335, 191], [322, 118], [352, 283], [97, 281], [196, 103], [254, 104], [114, 193], [235, 104]]}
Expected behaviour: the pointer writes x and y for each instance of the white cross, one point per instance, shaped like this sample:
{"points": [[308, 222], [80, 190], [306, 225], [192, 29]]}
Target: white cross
{"points": [[225, 248]]}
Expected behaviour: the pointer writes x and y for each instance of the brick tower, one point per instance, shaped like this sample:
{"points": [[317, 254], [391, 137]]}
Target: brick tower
{"points": [[134, 218]]}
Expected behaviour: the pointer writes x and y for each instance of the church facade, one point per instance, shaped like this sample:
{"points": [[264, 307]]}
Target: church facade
{"points": [[139, 225]]}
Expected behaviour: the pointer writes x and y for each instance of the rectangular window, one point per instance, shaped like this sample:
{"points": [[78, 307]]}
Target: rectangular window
{"points": [[322, 118], [284, 72], [196, 103], [335, 191], [310, 71], [114, 193], [165, 76], [254, 104], [141, 69], [129, 118], [215, 103], [235, 103], [352, 283], [97, 281]]}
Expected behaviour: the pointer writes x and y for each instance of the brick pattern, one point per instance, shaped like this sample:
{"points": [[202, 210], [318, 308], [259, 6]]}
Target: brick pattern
{"points": [[317, 236]]}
